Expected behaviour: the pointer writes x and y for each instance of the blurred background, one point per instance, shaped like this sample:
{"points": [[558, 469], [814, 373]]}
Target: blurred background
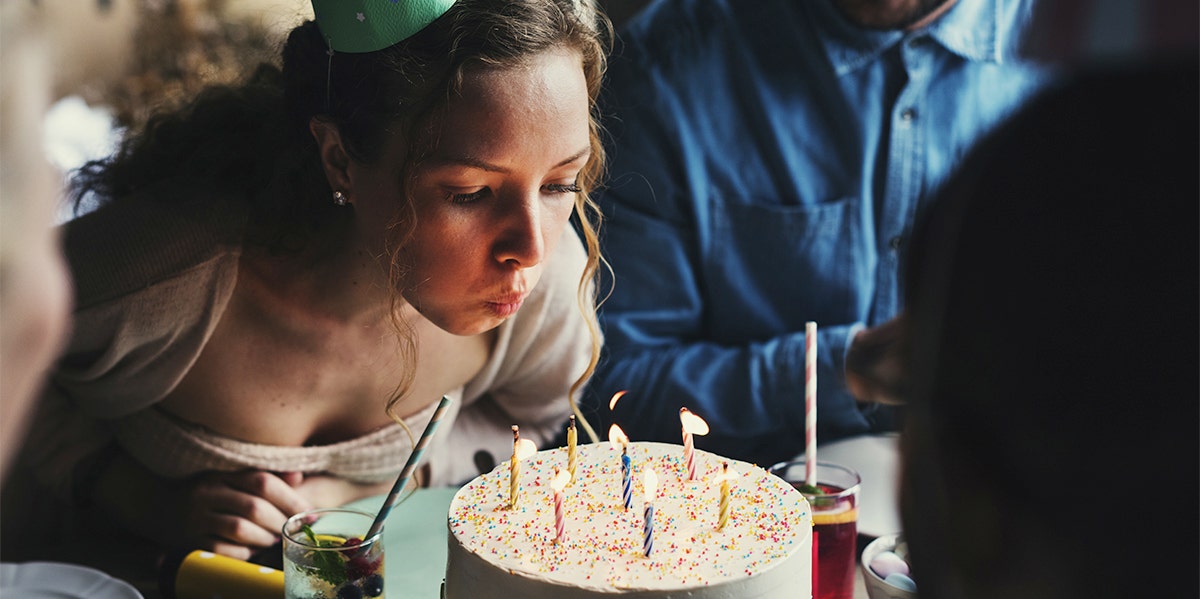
{"points": [[114, 62]]}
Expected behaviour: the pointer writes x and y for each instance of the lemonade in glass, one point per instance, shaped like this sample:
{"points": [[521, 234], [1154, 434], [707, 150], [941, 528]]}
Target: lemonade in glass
{"points": [[324, 556]]}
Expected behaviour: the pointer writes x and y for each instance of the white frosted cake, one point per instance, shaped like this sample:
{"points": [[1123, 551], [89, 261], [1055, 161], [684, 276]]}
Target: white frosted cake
{"points": [[764, 550]]}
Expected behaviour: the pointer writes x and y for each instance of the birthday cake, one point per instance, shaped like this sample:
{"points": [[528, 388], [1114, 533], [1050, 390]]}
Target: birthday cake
{"points": [[763, 548]]}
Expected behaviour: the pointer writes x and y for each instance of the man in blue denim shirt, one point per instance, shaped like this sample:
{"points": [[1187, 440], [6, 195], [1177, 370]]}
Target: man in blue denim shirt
{"points": [[768, 161]]}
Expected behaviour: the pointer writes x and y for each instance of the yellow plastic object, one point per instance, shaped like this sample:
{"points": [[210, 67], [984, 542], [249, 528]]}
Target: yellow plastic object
{"points": [[204, 575]]}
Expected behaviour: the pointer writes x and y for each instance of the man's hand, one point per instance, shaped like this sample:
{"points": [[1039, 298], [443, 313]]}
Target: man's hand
{"points": [[875, 370]]}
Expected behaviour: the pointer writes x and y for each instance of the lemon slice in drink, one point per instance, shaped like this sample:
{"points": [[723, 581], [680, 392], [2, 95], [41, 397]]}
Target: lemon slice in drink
{"points": [[839, 514], [334, 539]]}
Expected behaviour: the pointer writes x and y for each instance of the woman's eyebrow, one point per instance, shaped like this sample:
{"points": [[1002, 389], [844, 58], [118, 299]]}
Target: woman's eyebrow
{"points": [[576, 156], [474, 162]]}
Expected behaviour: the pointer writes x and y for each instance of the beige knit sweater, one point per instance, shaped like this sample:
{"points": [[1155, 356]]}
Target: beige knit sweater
{"points": [[152, 281]]}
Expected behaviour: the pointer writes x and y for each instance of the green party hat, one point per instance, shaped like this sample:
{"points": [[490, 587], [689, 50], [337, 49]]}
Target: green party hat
{"points": [[357, 26]]}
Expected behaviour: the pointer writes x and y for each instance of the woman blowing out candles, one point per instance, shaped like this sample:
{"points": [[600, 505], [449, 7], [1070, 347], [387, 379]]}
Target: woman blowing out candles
{"points": [[285, 277]]}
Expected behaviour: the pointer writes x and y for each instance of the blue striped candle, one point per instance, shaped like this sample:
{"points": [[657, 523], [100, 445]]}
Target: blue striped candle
{"points": [[627, 478], [648, 530]]}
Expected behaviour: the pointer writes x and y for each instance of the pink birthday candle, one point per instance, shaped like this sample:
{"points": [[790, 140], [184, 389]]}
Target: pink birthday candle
{"points": [[558, 483], [692, 425]]}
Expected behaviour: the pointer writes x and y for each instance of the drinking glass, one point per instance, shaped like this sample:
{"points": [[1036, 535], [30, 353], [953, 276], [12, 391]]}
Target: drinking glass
{"points": [[835, 524], [324, 554]]}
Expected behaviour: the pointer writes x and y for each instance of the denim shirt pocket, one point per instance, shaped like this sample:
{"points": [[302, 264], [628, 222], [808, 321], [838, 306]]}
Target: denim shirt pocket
{"points": [[770, 268]]}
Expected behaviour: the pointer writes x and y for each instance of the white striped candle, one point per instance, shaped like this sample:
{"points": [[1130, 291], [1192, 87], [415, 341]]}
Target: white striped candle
{"points": [[810, 403]]}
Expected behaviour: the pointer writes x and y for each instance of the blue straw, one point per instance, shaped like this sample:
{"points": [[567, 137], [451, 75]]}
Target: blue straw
{"points": [[413, 459]]}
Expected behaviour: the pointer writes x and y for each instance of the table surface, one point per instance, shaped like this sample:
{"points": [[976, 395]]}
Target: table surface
{"points": [[416, 527], [415, 545]]}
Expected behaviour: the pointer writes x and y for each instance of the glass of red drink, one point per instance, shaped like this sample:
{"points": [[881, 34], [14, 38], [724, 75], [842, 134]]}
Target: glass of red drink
{"points": [[835, 524]]}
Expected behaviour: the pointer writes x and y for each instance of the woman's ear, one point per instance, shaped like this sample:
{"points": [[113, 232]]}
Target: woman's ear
{"points": [[334, 158]]}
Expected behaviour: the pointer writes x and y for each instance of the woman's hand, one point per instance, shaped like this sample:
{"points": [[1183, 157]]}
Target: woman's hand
{"points": [[237, 513], [230, 513], [329, 491]]}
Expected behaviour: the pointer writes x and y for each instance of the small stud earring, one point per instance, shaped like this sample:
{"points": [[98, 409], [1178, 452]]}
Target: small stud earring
{"points": [[340, 199]]}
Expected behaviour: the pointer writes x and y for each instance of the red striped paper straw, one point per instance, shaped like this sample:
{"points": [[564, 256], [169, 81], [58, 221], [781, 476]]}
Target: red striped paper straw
{"points": [[810, 403]]}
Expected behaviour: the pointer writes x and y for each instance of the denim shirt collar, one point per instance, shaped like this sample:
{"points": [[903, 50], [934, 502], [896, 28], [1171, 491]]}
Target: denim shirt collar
{"points": [[971, 29]]}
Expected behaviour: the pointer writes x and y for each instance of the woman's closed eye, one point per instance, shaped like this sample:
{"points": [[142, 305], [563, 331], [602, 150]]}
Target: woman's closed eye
{"points": [[469, 197], [563, 188]]}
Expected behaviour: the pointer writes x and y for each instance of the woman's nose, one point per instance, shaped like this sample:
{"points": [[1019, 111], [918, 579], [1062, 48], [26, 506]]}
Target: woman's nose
{"points": [[520, 242]]}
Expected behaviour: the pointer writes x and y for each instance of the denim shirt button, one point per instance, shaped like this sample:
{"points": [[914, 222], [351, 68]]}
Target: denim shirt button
{"points": [[894, 243], [908, 114]]}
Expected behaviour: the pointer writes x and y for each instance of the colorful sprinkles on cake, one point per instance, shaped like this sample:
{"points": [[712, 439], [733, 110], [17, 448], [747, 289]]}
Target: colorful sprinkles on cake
{"points": [[766, 521]]}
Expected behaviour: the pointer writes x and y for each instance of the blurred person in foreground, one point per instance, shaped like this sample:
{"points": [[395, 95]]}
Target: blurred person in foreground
{"points": [[284, 277], [768, 161], [47, 49], [34, 288], [1051, 351]]}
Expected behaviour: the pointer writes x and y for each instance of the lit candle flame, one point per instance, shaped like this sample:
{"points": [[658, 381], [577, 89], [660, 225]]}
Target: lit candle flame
{"points": [[524, 448], [617, 437], [727, 474], [650, 484], [612, 403], [560, 481], [692, 423]]}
